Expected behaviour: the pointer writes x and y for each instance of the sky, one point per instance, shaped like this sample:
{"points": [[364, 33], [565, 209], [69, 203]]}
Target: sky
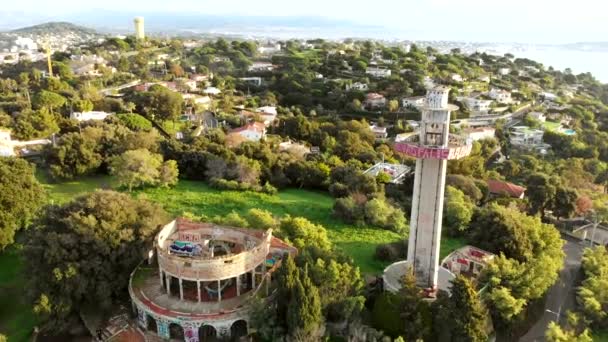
{"points": [[540, 21]]}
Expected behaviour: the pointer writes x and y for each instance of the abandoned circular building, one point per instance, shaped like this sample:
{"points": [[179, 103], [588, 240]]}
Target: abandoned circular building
{"points": [[205, 276]]}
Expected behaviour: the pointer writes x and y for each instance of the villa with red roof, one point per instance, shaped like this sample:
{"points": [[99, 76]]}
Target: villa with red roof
{"points": [[500, 188]]}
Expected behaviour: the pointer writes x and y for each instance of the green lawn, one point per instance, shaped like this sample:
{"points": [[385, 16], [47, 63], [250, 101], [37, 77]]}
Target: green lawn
{"points": [[198, 198], [16, 317], [600, 336]]}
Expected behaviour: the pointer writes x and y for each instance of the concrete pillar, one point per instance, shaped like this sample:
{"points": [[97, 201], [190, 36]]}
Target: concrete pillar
{"points": [[238, 285], [253, 279], [198, 291], [143, 319], [160, 276], [168, 284], [181, 289], [219, 292]]}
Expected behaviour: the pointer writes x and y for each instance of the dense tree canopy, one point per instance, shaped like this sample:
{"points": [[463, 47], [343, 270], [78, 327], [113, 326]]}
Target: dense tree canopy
{"points": [[82, 253], [20, 197]]}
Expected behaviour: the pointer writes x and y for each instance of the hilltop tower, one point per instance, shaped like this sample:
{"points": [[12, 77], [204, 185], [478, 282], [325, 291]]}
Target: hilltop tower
{"points": [[432, 148], [139, 28]]}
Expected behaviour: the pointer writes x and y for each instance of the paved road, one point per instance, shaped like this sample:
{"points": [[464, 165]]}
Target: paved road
{"points": [[561, 297]]}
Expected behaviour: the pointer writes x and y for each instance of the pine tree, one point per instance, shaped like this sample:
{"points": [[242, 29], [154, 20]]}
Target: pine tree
{"points": [[287, 277], [304, 316], [414, 311], [468, 314]]}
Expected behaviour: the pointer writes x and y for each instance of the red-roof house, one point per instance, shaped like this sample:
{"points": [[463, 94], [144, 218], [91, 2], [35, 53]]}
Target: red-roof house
{"points": [[501, 188]]}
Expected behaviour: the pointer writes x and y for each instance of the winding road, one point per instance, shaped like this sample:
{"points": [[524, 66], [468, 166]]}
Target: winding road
{"points": [[562, 295]]}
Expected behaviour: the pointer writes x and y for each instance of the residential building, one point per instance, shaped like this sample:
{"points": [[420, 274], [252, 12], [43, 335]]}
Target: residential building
{"points": [[467, 261], [253, 131], [397, 172], [261, 66], [479, 133], [379, 132], [457, 78], [504, 71], [357, 86], [199, 77], [484, 78], [188, 83], [413, 102], [255, 81], [548, 96], [86, 116], [267, 110], [428, 83], [269, 49], [500, 96], [477, 105], [500, 188], [524, 136], [212, 91], [538, 116], [378, 72], [11, 148], [294, 148], [374, 101]]}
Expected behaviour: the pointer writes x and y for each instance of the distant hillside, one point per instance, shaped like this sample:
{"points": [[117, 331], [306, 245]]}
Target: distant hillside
{"points": [[56, 28]]}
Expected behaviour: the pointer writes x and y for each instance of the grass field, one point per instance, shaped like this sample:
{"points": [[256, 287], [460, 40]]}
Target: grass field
{"points": [[198, 198], [16, 317], [17, 320], [600, 336]]}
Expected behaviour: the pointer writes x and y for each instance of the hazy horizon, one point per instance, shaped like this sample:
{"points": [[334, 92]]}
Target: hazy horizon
{"points": [[540, 21]]}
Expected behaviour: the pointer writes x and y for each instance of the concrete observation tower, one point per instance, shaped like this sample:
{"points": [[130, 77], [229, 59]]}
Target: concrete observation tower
{"points": [[432, 148]]}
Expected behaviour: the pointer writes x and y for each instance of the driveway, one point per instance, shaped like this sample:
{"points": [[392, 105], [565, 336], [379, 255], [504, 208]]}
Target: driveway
{"points": [[562, 295]]}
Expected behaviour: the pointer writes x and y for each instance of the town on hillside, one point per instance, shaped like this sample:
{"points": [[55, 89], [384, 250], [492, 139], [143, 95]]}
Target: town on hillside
{"points": [[183, 189]]}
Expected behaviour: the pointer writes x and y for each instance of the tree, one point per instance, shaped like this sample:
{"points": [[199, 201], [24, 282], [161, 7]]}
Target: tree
{"points": [[573, 331], [499, 229], [136, 168], [393, 106], [457, 211], [468, 314], [540, 190], [161, 102], [20, 197], [168, 174], [302, 233], [81, 253], [304, 318], [35, 124], [49, 100], [593, 292], [83, 105], [564, 203], [74, 154]]}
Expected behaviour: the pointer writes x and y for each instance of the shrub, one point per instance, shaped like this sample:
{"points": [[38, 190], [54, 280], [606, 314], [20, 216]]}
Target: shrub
{"points": [[391, 252], [261, 219], [135, 122]]}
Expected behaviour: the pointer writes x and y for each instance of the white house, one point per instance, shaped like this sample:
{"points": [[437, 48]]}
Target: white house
{"points": [[479, 133], [357, 86], [477, 105], [256, 81], [86, 116], [378, 72], [548, 96], [504, 71], [457, 78], [253, 131], [413, 102], [269, 49], [525, 136], [500, 96], [375, 100], [538, 116], [379, 132], [268, 110], [428, 82], [6, 145], [484, 78], [212, 91], [261, 66], [188, 83]]}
